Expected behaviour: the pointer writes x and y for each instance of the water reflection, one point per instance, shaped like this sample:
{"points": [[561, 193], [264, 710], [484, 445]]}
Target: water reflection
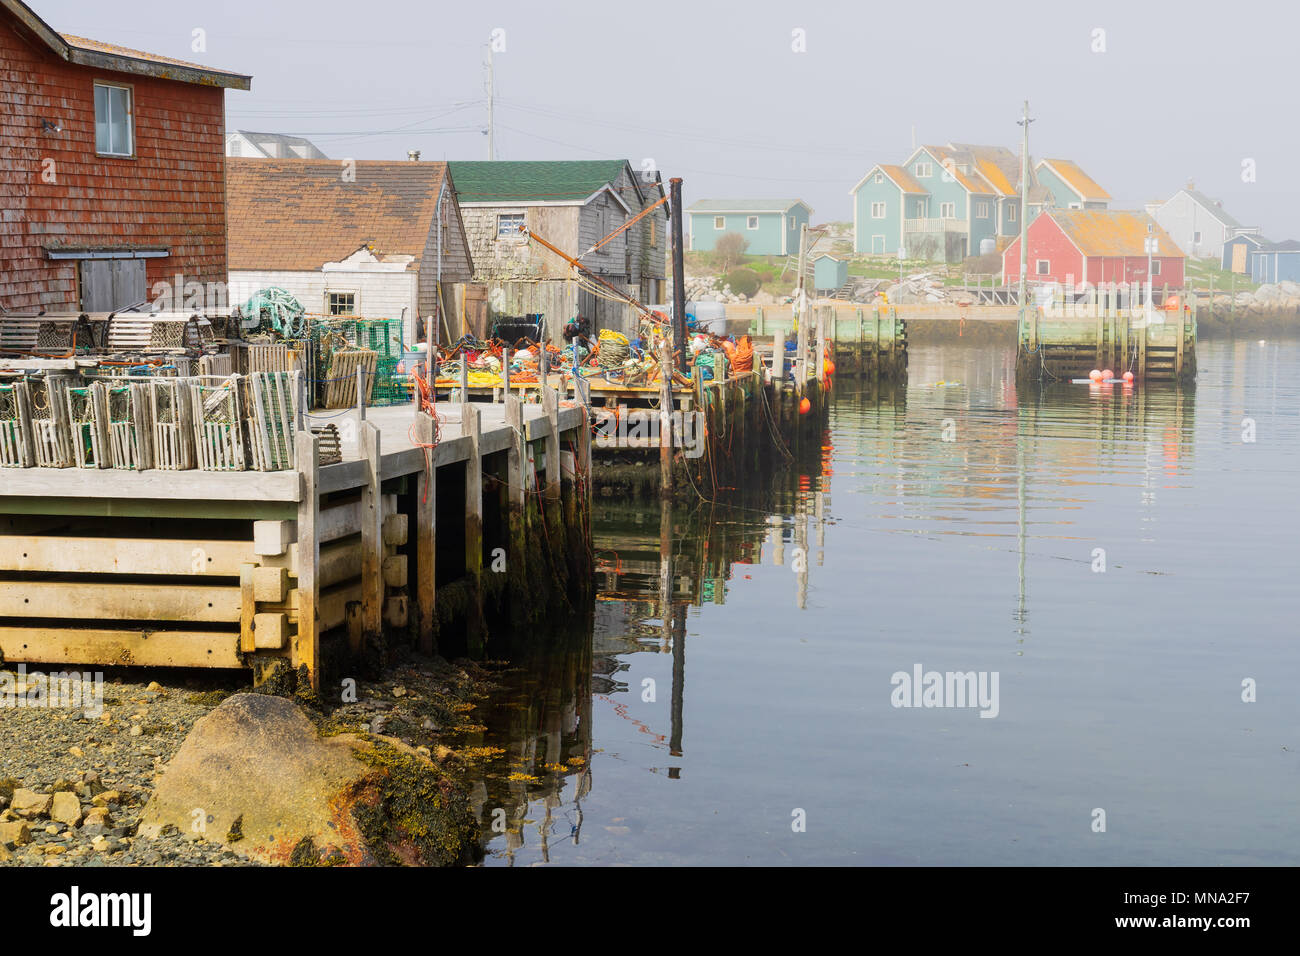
{"points": [[956, 522]]}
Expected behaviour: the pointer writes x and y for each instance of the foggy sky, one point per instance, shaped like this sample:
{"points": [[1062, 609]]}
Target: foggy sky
{"points": [[714, 92]]}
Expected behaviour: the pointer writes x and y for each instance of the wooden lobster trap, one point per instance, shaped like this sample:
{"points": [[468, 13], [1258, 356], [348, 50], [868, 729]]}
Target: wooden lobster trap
{"points": [[88, 425], [219, 425], [130, 426], [15, 426], [272, 418], [51, 438], [171, 407]]}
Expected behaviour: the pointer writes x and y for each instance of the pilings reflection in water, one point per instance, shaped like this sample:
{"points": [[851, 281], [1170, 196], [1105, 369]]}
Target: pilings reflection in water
{"points": [[1032, 457]]}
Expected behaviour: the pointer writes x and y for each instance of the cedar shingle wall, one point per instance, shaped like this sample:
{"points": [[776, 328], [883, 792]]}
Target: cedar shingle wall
{"points": [[172, 194]]}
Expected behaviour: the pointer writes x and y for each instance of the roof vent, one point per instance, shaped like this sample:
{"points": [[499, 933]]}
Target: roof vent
{"points": [[413, 155]]}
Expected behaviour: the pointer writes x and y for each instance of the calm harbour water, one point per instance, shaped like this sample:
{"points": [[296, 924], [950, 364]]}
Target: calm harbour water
{"points": [[1118, 690]]}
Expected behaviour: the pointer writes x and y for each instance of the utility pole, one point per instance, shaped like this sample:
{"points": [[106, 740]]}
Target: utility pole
{"points": [[679, 273], [491, 127], [1024, 209]]}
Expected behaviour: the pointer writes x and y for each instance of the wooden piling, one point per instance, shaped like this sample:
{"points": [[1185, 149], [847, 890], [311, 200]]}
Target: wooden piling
{"points": [[306, 644], [372, 542], [665, 421], [426, 540], [472, 428]]}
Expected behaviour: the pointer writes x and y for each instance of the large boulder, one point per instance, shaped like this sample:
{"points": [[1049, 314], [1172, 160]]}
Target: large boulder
{"points": [[256, 774]]}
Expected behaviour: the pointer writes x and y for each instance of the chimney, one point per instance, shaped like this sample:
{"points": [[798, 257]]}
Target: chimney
{"points": [[413, 155]]}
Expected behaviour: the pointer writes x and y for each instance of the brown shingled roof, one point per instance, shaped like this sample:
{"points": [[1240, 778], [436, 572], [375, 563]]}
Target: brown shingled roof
{"points": [[297, 214]]}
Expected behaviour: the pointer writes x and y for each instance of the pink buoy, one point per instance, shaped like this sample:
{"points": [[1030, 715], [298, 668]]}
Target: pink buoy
{"points": [[1128, 376], [1095, 375], [1107, 375]]}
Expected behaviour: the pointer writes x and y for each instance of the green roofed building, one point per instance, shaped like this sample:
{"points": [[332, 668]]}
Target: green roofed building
{"points": [[573, 205]]}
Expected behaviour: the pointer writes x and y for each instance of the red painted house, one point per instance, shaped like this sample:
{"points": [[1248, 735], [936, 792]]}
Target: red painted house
{"points": [[111, 169], [1094, 246]]}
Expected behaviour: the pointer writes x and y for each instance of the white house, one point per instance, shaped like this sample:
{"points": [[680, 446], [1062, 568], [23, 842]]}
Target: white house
{"points": [[372, 245], [242, 142], [1198, 224]]}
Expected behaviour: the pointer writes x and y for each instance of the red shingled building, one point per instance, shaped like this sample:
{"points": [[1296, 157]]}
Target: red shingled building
{"points": [[111, 169], [1095, 246]]}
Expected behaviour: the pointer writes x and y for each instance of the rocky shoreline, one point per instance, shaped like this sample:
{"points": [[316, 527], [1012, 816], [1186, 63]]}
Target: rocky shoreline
{"points": [[74, 786]]}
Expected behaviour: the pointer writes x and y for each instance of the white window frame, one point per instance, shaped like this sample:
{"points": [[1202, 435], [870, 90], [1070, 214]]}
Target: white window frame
{"points": [[981, 210], [878, 210], [719, 223], [880, 178], [923, 170], [947, 210], [1196, 236], [751, 222], [1011, 213], [1043, 267], [329, 304], [130, 119], [1155, 267], [502, 217]]}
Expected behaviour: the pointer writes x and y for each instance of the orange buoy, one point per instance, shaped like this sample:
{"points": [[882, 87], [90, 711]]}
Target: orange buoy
{"points": [[830, 368], [1127, 376], [805, 407], [1095, 375], [1107, 375]]}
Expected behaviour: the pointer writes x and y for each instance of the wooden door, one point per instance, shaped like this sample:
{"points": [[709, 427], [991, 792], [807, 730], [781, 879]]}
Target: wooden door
{"points": [[111, 284]]}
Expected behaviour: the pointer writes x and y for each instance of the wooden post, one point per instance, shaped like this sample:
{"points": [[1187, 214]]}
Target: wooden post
{"points": [[516, 454], [306, 645], [858, 359], [248, 609], [361, 394], [679, 270], [819, 359], [505, 372], [516, 515], [372, 540], [778, 355], [472, 428], [801, 356], [464, 378], [551, 405], [1178, 353], [425, 539], [665, 421]]}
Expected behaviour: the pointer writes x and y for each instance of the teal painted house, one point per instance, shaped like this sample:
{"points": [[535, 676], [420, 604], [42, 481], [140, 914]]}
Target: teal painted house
{"points": [[1069, 186], [945, 203], [829, 272], [770, 226], [881, 201]]}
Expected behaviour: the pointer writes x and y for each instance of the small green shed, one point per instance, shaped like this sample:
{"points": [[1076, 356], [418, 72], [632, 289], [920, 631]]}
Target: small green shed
{"points": [[829, 272]]}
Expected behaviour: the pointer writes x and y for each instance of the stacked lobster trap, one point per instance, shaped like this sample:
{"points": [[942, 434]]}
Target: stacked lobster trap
{"points": [[209, 423]]}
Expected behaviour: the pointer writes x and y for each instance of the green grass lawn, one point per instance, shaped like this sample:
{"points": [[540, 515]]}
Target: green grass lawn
{"points": [[1200, 271]]}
